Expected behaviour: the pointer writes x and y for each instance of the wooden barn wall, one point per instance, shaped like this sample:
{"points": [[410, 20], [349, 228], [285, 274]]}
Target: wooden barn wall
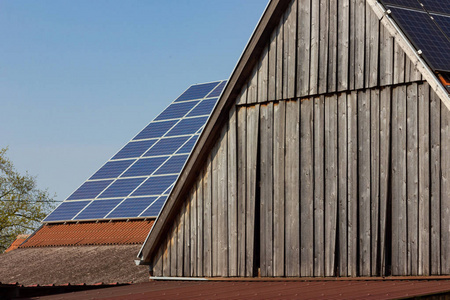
{"points": [[333, 162]]}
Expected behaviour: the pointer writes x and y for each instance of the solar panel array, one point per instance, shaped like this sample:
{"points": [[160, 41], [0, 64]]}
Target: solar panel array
{"points": [[137, 180], [427, 25]]}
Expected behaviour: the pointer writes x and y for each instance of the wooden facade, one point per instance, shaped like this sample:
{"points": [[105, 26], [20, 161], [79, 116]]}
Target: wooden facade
{"points": [[333, 161]]}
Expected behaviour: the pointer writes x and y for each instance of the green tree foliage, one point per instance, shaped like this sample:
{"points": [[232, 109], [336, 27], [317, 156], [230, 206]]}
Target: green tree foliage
{"points": [[22, 204]]}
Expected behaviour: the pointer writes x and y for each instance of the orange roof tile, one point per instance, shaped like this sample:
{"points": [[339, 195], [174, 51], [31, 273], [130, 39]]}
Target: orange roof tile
{"points": [[19, 240], [90, 233]]}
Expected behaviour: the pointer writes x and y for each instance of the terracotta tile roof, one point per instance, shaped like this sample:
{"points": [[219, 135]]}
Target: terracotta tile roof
{"points": [[19, 240], [350, 289], [90, 233]]}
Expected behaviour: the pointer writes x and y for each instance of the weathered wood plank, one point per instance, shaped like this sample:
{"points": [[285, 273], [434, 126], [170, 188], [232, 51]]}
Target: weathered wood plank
{"points": [[158, 262], [252, 93], [364, 187], [352, 189], [173, 250], [279, 125], [412, 184], [180, 242], [303, 48], [187, 239], [319, 176], [207, 220], [292, 50], [352, 42], [399, 64], [292, 188], [232, 193], [242, 98], [332, 46], [342, 183], [241, 186], [166, 257], [272, 77], [215, 208], [307, 187], [435, 180], [263, 75], [331, 183], [360, 24], [374, 44], [323, 45], [200, 230], [386, 57], [445, 190], [222, 203], [193, 235], [252, 153], [280, 58], [343, 44], [286, 36], [424, 179], [315, 37]]}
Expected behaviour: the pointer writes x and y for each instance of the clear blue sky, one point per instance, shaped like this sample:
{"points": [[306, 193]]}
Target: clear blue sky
{"points": [[78, 79]]}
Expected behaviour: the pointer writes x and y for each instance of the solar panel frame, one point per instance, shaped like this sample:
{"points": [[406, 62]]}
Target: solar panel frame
{"points": [[439, 6]]}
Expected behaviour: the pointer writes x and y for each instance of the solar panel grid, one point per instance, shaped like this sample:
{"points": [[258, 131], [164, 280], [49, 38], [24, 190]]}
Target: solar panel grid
{"points": [[217, 90], [163, 144], [444, 24], [66, 211], [439, 6], [415, 4]]}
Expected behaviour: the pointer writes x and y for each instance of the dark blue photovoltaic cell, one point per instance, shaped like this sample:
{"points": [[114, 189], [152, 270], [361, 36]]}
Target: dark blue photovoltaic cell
{"points": [[187, 126], [198, 91], [134, 149], [176, 110], [166, 146], [406, 3], [97, 209], [443, 23], [145, 166], [439, 6], [155, 185], [131, 207], [112, 169], [173, 165], [89, 189], [154, 210], [187, 148], [204, 108], [155, 130], [218, 90], [66, 211], [121, 188], [425, 35]]}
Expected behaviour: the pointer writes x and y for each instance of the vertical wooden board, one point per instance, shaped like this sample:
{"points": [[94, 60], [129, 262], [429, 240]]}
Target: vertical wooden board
{"points": [[424, 179], [292, 188], [385, 117], [315, 37], [445, 190], [352, 189], [166, 257], [332, 46], [374, 44], [360, 25], [215, 209], [272, 77], [187, 239], [319, 179], [386, 57], [180, 242], [414, 75], [303, 47], [323, 44], [280, 59], [222, 204], [352, 42], [252, 153], [252, 93], [263, 75], [242, 98], [207, 220], [412, 184], [232, 193], [292, 50], [241, 187], [399, 64], [158, 262], [200, 231], [342, 183], [331, 183], [193, 234], [286, 51], [435, 180], [374, 177], [173, 250], [279, 116], [307, 187], [343, 40], [266, 188], [364, 182]]}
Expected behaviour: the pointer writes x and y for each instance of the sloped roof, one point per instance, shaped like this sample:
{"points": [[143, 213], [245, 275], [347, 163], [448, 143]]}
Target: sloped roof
{"points": [[241, 73], [19, 240], [74, 265]]}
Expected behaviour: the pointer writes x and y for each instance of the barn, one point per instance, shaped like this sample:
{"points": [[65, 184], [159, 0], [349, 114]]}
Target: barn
{"points": [[328, 152]]}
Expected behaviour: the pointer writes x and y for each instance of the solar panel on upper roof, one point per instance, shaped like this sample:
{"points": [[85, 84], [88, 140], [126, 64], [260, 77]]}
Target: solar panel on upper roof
{"points": [[439, 6], [138, 179], [405, 3]]}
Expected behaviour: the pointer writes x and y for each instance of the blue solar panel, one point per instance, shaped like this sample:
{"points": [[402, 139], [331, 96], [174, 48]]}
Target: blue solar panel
{"points": [[155, 185], [173, 165], [405, 3], [134, 149], [176, 110], [204, 108], [444, 23], [167, 146], [439, 6], [187, 148], [89, 190], [112, 169], [187, 126], [218, 90], [66, 211], [97, 209], [155, 130], [197, 91], [121, 187], [145, 167], [154, 210], [131, 207]]}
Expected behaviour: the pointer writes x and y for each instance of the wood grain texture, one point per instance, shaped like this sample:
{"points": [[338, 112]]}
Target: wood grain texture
{"points": [[207, 220], [342, 183], [232, 175], [241, 187], [222, 204], [445, 190], [343, 41], [323, 44], [304, 46]]}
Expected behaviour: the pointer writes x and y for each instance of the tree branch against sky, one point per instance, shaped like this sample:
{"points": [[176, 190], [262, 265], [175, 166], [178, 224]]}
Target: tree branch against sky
{"points": [[22, 204]]}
